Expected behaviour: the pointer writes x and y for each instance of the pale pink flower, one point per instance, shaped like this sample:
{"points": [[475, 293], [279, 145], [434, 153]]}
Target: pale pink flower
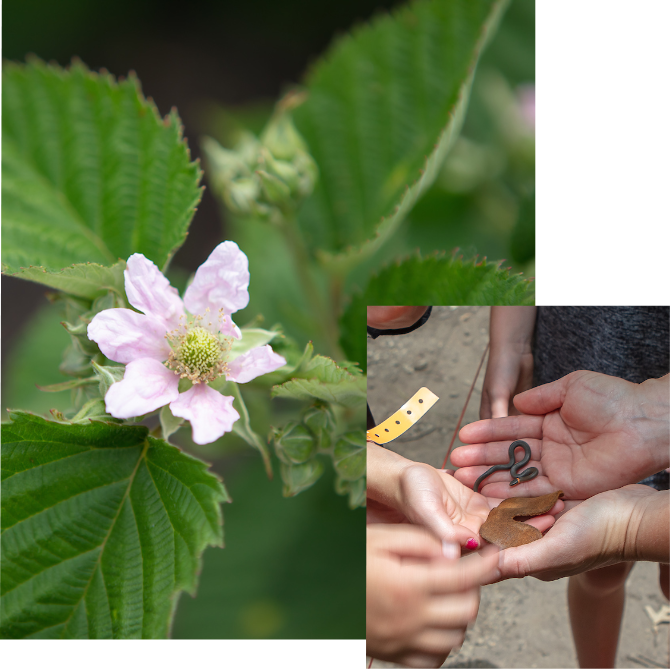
{"points": [[173, 339]]}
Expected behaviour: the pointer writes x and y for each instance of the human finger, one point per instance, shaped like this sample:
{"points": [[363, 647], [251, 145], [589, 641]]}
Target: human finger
{"points": [[405, 541], [445, 529], [543, 399], [492, 453], [453, 610], [497, 485], [418, 659], [485, 406], [447, 576], [500, 406], [500, 429]]}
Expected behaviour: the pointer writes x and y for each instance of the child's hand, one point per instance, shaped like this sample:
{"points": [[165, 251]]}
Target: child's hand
{"points": [[587, 432], [400, 490], [509, 370], [419, 602]]}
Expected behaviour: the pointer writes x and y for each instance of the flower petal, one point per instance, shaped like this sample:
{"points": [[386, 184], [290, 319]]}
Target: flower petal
{"points": [[146, 386], [258, 361], [210, 413], [124, 335], [226, 327], [221, 282], [150, 292]]}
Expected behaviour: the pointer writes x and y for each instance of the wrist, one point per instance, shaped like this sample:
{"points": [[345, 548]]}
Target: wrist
{"points": [[647, 531], [654, 409], [512, 328], [384, 473]]}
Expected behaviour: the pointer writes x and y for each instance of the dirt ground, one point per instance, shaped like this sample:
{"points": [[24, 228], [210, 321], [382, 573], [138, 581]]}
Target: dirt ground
{"points": [[521, 623]]}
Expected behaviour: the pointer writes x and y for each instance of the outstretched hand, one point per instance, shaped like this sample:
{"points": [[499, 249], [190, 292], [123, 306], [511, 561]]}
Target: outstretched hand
{"points": [[433, 499], [595, 533], [588, 433]]}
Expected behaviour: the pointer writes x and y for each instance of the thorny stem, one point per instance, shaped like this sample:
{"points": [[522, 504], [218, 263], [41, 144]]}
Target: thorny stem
{"points": [[326, 314]]}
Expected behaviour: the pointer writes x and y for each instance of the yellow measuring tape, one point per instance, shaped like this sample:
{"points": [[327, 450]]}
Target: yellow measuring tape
{"points": [[410, 412]]}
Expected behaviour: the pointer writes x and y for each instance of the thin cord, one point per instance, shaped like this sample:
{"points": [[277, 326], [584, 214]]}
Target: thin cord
{"points": [[460, 418]]}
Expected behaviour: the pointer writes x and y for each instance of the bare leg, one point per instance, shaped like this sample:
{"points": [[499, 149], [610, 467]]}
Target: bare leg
{"points": [[596, 599], [663, 579]]}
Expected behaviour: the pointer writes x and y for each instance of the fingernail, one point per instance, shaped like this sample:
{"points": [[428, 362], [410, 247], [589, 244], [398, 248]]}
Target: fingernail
{"points": [[450, 550], [471, 543]]}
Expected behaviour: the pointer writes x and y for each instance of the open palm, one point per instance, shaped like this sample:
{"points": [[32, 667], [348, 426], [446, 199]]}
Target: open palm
{"points": [[587, 432], [589, 535], [435, 500]]}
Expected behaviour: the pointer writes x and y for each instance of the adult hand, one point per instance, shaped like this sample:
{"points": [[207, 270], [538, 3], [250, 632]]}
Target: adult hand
{"points": [[587, 432], [509, 370], [420, 494], [418, 602], [614, 526]]}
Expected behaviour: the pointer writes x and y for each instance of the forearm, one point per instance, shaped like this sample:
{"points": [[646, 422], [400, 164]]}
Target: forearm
{"points": [[512, 326], [384, 469], [648, 532]]}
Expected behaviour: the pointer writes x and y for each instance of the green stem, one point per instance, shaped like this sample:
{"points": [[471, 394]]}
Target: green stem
{"points": [[326, 314]]}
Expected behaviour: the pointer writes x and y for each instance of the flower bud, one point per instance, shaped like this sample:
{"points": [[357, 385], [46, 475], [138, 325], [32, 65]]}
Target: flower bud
{"points": [[282, 139], [294, 444], [266, 178], [320, 420], [300, 477], [356, 490], [349, 455], [274, 189], [241, 195]]}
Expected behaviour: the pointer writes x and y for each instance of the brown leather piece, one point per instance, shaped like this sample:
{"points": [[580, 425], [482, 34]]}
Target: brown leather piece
{"points": [[502, 530]]}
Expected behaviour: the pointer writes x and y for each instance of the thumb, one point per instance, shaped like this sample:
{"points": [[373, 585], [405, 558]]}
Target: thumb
{"points": [[445, 529], [530, 559], [543, 399]]}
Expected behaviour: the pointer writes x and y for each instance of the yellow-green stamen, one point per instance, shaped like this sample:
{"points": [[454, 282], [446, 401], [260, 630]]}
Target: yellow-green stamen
{"points": [[197, 354]]}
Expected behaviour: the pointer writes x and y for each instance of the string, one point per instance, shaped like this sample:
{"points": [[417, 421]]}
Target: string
{"points": [[460, 418]]}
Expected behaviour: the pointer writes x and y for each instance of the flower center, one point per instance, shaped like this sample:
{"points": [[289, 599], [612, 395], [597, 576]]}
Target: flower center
{"points": [[197, 354]]}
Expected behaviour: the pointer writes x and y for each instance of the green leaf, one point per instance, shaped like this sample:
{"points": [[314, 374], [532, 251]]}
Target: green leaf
{"points": [[384, 107], [107, 376], [169, 423], [242, 427], [90, 173], [34, 359], [437, 279], [324, 380], [251, 338], [102, 527], [88, 280]]}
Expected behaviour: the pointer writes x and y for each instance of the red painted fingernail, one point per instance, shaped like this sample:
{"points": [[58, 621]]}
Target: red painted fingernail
{"points": [[471, 543]]}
